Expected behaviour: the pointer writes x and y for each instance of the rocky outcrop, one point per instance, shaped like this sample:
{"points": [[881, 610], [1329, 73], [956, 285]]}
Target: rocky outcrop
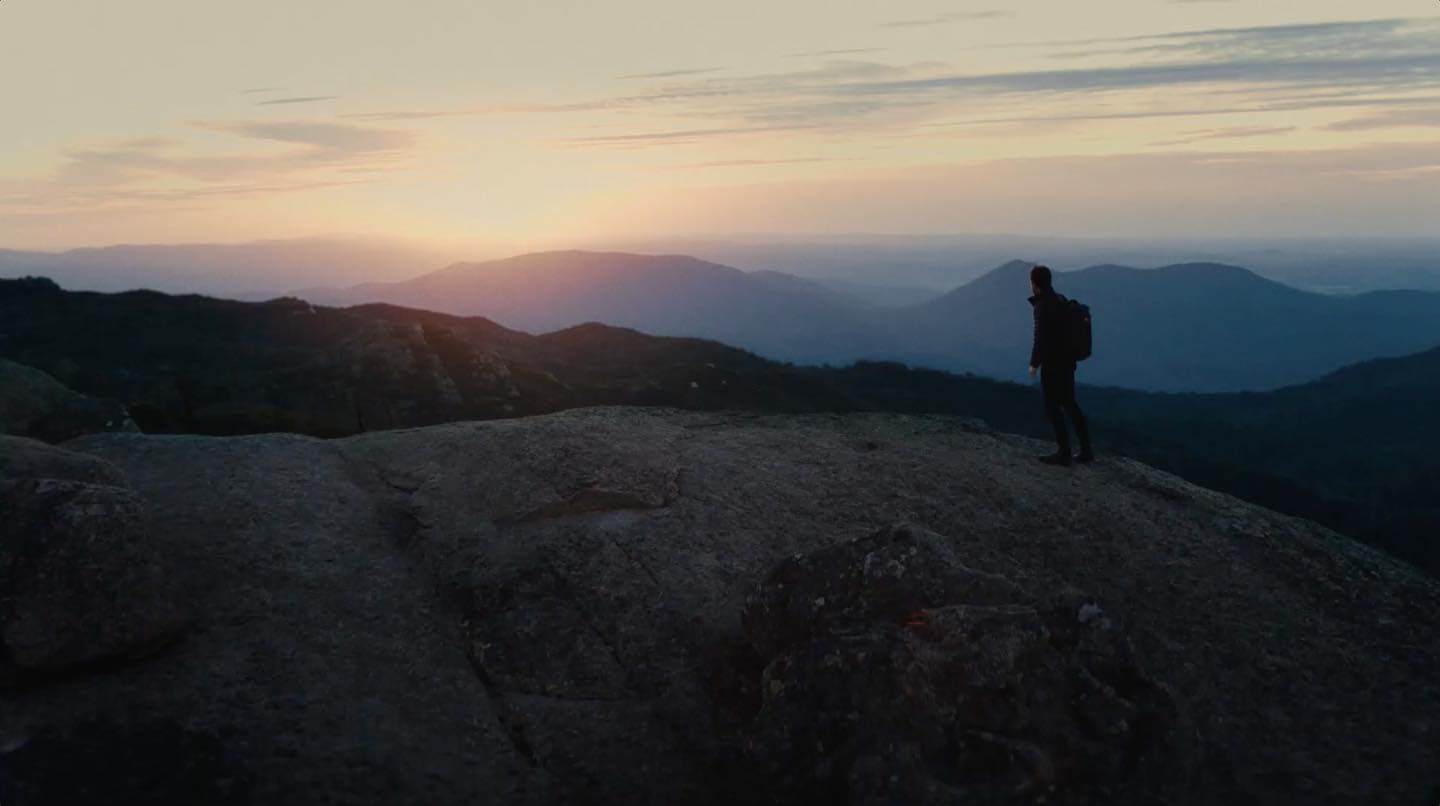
{"points": [[22, 458], [79, 581], [33, 404], [647, 606], [893, 673]]}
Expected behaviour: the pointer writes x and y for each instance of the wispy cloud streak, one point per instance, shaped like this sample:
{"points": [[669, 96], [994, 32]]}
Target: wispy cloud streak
{"points": [[835, 52], [759, 162], [1234, 133], [318, 154], [1392, 119], [692, 71], [944, 19], [1278, 68], [304, 99]]}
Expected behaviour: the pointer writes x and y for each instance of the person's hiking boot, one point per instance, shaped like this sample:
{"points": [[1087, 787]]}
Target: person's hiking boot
{"points": [[1060, 458], [1085, 456]]}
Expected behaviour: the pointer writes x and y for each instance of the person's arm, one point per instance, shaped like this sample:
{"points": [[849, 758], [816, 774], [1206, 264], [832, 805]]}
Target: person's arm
{"points": [[1035, 342]]}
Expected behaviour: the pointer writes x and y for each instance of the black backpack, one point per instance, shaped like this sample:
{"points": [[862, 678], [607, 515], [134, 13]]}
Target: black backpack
{"points": [[1077, 329]]}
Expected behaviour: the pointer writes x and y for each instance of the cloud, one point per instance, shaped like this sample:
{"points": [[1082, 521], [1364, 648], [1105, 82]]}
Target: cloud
{"points": [[1238, 132], [1152, 194], [258, 90], [1390, 119], [1397, 174], [1400, 70], [694, 71], [147, 142], [757, 162], [745, 87], [89, 198], [944, 19], [837, 52], [409, 115], [260, 158], [1256, 70], [671, 137], [305, 99], [1194, 111], [329, 137], [1354, 39], [317, 148]]}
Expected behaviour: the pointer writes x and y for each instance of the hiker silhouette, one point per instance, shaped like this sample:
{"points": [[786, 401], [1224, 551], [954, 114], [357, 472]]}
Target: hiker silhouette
{"points": [[1053, 356]]}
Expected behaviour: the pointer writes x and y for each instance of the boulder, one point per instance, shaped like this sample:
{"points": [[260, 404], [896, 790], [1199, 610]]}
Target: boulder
{"points": [[22, 458], [33, 404], [79, 581], [911, 678]]}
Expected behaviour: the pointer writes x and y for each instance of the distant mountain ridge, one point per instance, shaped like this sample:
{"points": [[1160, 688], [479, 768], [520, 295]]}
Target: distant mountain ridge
{"points": [[939, 263], [1190, 327], [1199, 327], [242, 270], [783, 316]]}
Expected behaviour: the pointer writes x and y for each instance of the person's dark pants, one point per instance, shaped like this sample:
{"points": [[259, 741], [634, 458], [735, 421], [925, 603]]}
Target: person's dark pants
{"points": [[1058, 384]]}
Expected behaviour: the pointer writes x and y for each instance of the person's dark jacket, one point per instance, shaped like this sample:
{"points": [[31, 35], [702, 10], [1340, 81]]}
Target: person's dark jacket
{"points": [[1049, 348]]}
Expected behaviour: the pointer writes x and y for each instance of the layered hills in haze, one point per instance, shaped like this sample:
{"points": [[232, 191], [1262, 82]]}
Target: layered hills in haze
{"points": [[257, 269], [1183, 328], [1187, 327], [939, 263], [779, 315]]}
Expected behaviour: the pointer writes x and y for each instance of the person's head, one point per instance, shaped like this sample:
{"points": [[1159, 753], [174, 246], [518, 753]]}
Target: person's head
{"points": [[1039, 279]]}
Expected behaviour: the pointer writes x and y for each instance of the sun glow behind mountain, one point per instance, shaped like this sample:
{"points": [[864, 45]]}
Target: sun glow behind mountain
{"points": [[168, 120]]}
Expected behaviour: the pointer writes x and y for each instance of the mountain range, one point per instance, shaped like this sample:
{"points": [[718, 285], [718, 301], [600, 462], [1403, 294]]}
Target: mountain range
{"points": [[778, 315], [939, 263], [1354, 449], [1194, 327], [257, 269]]}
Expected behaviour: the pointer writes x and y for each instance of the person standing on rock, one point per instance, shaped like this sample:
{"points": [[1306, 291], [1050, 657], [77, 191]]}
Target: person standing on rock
{"points": [[1053, 357]]}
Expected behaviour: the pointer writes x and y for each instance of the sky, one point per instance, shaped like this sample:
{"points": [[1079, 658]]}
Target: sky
{"points": [[565, 122]]}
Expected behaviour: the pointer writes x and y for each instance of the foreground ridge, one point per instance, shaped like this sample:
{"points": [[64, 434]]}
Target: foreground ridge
{"points": [[645, 605]]}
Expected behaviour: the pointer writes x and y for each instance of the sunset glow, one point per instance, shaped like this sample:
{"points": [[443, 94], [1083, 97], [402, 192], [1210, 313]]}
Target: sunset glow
{"points": [[569, 122]]}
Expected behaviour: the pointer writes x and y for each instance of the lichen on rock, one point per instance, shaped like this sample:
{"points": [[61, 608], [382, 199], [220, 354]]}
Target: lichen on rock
{"points": [[916, 679]]}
